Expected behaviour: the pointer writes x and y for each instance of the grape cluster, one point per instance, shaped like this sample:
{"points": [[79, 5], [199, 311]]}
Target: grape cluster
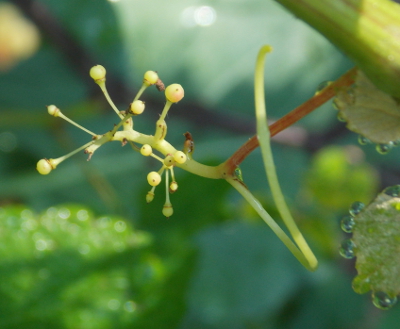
{"points": [[171, 157]]}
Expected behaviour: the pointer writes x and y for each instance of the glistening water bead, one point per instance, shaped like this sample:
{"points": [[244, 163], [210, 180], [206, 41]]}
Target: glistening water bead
{"points": [[347, 249], [393, 191], [382, 300], [356, 208], [363, 140], [384, 148], [322, 86], [347, 224]]}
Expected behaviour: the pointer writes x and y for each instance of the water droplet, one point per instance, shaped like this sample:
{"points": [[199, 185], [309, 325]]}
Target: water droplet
{"points": [[347, 224], [130, 306], [41, 245], [363, 140], [382, 300], [238, 174], [396, 143], [356, 208], [82, 215], [51, 212], [322, 86], [347, 249], [340, 117], [114, 304], [104, 222], [361, 284], [26, 214], [393, 191], [120, 226], [384, 148], [64, 213]]}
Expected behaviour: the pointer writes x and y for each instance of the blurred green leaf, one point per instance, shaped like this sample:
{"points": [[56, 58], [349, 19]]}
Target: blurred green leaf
{"points": [[74, 270], [339, 174], [243, 273]]}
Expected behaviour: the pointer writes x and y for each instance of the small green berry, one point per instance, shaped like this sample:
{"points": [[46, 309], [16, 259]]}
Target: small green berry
{"points": [[150, 78], [167, 210], [137, 107], [180, 157], [173, 187], [44, 166], [149, 196], [154, 178], [97, 72], [169, 160], [146, 150], [174, 93], [53, 110]]}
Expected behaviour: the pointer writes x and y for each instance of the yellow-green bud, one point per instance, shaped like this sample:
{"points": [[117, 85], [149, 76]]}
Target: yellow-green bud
{"points": [[150, 78], [146, 150], [149, 196], [169, 160], [45, 166], [97, 72], [167, 210], [153, 178], [137, 107], [173, 187], [180, 157], [53, 110], [174, 93]]}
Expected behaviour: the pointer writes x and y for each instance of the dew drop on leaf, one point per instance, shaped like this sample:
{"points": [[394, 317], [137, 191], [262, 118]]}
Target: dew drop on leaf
{"points": [[384, 148], [396, 143], [322, 86], [356, 208], [363, 140], [347, 249], [347, 224], [393, 191], [382, 300]]}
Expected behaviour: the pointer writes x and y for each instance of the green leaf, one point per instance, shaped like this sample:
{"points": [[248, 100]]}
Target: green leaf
{"points": [[376, 244], [369, 111], [67, 269], [339, 174]]}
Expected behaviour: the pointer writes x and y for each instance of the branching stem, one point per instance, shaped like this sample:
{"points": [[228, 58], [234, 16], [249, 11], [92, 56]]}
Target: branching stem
{"points": [[295, 115]]}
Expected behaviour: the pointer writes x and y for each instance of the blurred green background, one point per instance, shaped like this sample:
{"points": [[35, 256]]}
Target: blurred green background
{"points": [[80, 248]]}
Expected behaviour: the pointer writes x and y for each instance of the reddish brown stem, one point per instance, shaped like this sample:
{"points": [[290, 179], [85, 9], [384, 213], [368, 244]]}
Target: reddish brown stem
{"points": [[299, 112]]}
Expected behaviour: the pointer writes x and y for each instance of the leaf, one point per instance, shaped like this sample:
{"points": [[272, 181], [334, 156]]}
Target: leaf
{"points": [[376, 244], [338, 174], [73, 270], [369, 111]]}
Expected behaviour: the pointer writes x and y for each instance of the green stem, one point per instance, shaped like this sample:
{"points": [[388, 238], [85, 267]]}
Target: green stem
{"points": [[64, 157], [265, 145], [255, 204], [366, 30], [292, 117]]}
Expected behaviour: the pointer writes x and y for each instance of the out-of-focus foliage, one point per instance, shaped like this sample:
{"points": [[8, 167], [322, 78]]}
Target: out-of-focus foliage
{"points": [[213, 264], [19, 38], [67, 269]]}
